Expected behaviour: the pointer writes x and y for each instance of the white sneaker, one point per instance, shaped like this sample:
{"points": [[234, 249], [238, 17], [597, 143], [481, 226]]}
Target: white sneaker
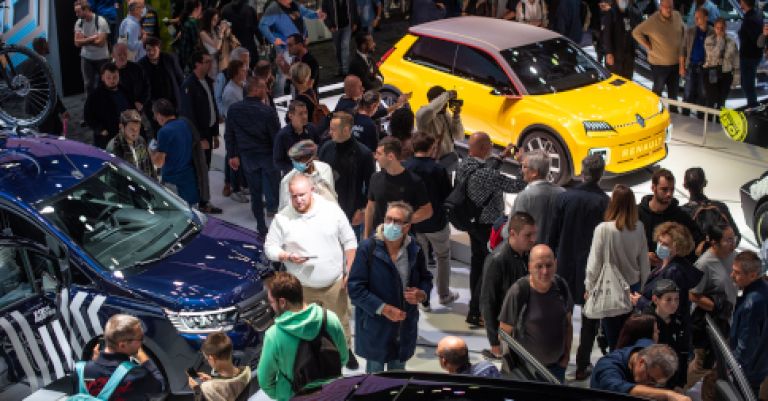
{"points": [[449, 299], [239, 197]]}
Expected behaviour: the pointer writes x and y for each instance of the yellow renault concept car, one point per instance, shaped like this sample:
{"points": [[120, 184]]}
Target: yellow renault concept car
{"points": [[532, 87]]}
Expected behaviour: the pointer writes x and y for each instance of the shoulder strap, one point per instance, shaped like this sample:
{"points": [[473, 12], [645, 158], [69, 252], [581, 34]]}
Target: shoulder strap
{"points": [[523, 296], [117, 376], [80, 369]]}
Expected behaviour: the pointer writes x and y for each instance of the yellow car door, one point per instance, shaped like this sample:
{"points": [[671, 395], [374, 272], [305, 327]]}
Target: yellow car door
{"points": [[484, 87]]}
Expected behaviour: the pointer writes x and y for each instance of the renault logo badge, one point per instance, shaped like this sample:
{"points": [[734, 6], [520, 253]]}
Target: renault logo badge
{"points": [[640, 120]]}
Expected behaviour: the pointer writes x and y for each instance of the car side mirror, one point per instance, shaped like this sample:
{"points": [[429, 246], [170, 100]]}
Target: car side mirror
{"points": [[506, 92]]}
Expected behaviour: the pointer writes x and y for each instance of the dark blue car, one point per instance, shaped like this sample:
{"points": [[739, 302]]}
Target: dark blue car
{"points": [[84, 235]]}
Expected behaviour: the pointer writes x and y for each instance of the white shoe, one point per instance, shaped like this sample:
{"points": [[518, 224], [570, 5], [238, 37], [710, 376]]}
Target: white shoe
{"points": [[239, 197], [450, 298]]}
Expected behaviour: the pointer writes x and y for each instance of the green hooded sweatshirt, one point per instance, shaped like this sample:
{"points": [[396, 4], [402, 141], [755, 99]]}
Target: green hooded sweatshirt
{"points": [[281, 342]]}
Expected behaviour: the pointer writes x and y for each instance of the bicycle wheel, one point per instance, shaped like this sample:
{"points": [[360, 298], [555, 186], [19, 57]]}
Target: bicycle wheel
{"points": [[27, 92]]}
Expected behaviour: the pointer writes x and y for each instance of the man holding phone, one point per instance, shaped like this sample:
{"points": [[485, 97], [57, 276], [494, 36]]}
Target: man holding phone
{"points": [[314, 241]]}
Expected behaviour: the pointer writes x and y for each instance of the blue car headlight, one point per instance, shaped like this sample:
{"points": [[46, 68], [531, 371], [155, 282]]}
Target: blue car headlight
{"points": [[205, 321]]}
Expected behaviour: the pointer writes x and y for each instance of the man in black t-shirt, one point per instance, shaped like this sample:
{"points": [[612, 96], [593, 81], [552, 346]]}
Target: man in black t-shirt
{"points": [[394, 183]]}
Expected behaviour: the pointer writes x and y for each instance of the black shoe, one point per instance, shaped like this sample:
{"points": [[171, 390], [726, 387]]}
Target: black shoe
{"points": [[352, 363], [475, 321], [583, 374]]}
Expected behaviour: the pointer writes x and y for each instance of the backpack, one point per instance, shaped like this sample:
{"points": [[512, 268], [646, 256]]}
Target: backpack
{"points": [[707, 214], [114, 381], [462, 212], [497, 236], [315, 359]]}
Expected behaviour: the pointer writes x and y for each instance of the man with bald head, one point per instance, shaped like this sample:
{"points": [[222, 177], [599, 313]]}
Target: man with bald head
{"points": [[313, 239], [453, 355], [485, 187], [537, 313], [353, 91]]}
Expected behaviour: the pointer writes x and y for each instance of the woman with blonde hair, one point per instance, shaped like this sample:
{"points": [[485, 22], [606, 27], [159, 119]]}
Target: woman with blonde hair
{"points": [[618, 243], [301, 79]]}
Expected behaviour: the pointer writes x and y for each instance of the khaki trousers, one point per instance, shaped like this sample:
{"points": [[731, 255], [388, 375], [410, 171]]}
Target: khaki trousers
{"points": [[333, 298]]}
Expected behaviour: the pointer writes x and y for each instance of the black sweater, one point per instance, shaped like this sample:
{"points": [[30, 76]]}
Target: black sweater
{"points": [[502, 268], [353, 166]]}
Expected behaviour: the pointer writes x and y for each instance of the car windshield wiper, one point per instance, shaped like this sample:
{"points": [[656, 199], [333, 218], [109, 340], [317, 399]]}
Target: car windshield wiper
{"points": [[191, 228]]}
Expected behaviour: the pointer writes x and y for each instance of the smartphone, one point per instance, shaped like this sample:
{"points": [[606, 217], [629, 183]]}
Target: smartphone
{"points": [[310, 257], [191, 372]]}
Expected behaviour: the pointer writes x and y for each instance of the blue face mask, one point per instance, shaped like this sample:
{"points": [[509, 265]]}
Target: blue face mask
{"points": [[392, 231], [662, 251], [300, 167]]}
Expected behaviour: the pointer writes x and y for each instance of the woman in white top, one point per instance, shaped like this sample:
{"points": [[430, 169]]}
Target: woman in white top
{"points": [[620, 239], [211, 34], [532, 12]]}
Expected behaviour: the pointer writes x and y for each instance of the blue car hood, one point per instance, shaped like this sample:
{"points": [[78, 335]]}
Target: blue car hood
{"points": [[218, 268]]}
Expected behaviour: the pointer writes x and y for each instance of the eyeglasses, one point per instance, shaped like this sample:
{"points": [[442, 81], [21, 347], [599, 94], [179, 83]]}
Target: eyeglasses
{"points": [[140, 339], [396, 221]]}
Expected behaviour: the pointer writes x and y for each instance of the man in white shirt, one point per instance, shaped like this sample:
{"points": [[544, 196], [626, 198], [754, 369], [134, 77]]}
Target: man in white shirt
{"points": [[91, 32], [313, 239]]}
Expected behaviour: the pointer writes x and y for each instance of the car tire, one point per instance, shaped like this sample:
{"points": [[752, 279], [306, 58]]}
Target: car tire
{"points": [[761, 223], [559, 165]]}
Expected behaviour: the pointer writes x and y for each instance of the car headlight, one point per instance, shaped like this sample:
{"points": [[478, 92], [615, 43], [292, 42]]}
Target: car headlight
{"points": [[205, 321], [597, 126], [661, 106]]}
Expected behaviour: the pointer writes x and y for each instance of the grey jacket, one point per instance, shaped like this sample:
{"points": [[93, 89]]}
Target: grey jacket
{"points": [[536, 199], [728, 59]]}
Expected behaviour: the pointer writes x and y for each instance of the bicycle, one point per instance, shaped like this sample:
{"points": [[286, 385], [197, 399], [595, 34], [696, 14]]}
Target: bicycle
{"points": [[27, 91]]}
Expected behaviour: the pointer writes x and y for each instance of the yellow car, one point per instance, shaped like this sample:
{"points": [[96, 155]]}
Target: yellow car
{"points": [[535, 88]]}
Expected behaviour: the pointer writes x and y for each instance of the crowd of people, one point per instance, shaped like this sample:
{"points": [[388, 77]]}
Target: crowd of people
{"points": [[344, 233]]}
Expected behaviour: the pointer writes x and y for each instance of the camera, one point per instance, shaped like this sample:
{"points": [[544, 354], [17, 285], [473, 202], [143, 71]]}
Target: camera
{"points": [[454, 103]]}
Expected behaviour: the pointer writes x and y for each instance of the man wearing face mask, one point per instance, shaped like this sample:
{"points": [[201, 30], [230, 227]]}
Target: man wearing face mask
{"points": [[295, 321], [315, 242], [661, 207], [619, 46], [394, 183], [303, 156], [389, 278], [298, 129]]}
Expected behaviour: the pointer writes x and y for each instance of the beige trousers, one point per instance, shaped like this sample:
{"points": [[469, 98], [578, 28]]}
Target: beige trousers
{"points": [[335, 299]]}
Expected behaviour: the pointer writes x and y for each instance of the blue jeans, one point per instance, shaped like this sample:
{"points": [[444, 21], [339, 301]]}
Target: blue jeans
{"points": [[557, 371], [748, 77], [374, 366], [341, 43], [263, 179]]}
